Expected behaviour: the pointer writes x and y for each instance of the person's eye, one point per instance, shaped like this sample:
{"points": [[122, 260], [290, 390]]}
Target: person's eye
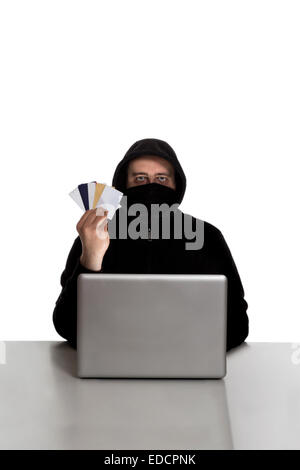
{"points": [[138, 178], [162, 179]]}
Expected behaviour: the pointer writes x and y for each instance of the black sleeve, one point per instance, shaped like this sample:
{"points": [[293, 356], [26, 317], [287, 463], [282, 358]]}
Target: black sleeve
{"points": [[237, 318], [65, 312]]}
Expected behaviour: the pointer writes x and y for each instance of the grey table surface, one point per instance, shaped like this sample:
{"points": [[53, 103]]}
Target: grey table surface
{"points": [[43, 405]]}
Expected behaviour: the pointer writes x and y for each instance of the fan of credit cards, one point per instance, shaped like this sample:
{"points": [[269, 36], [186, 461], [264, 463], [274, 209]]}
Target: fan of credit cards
{"points": [[93, 195]]}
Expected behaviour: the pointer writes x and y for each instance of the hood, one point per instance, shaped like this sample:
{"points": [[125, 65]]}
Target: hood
{"points": [[156, 147]]}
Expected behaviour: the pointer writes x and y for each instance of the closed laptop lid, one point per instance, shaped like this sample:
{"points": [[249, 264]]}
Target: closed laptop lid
{"points": [[151, 325]]}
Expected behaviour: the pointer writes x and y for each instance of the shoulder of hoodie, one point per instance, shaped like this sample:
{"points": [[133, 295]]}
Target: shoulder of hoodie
{"points": [[209, 229]]}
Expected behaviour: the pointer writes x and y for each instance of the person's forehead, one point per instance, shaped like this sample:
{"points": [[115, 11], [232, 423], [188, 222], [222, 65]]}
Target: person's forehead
{"points": [[146, 162]]}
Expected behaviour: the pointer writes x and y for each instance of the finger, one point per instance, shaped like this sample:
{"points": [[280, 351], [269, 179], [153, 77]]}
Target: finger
{"points": [[101, 211], [82, 219], [87, 216], [101, 230], [99, 217], [100, 222]]}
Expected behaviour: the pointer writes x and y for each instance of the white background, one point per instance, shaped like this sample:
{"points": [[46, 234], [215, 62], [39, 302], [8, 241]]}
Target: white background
{"points": [[81, 81]]}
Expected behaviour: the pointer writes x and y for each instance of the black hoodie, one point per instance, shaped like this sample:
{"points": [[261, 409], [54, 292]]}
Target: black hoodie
{"points": [[167, 256]]}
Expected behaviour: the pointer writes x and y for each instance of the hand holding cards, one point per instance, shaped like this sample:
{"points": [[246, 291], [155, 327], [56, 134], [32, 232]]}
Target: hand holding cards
{"points": [[95, 195], [95, 198]]}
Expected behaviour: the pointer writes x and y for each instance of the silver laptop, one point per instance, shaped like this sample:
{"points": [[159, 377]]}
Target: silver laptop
{"points": [[151, 325]]}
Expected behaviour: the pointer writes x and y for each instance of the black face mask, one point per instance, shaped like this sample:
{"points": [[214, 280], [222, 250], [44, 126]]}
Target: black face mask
{"points": [[150, 193], [147, 194]]}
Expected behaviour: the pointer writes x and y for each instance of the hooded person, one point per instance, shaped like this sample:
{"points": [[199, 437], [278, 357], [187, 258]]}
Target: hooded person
{"points": [[149, 253]]}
